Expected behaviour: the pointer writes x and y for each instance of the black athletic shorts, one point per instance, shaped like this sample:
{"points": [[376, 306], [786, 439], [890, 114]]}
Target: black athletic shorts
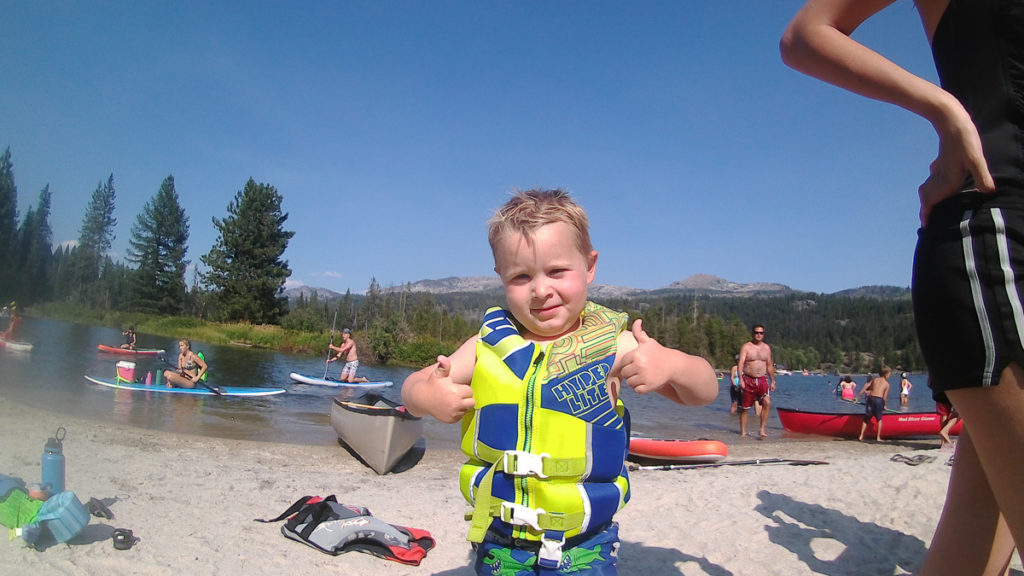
{"points": [[967, 288]]}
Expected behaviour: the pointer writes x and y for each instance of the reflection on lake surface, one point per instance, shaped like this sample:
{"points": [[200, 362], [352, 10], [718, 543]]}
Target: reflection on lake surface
{"points": [[51, 377]]}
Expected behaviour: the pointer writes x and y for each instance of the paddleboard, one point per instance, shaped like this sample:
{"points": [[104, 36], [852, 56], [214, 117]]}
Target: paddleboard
{"points": [[326, 382], [669, 450], [197, 391], [137, 351], [15, 345]]}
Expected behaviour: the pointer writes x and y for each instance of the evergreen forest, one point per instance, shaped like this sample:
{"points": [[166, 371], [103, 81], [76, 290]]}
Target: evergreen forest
{"points": [[244, 274]]}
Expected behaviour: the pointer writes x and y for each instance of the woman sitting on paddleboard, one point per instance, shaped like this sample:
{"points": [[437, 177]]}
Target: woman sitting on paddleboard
{"points": [[191, 367]]}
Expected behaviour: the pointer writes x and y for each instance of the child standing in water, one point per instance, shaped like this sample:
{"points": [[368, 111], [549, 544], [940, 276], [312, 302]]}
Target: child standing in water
{"points": [[537, 393]]}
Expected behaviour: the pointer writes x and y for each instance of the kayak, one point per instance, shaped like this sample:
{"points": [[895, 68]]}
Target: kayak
{"points": [[378, 430], [15, 345], [844, 424], [335, 383], [197, 391], [669, 450], [136, 352]]}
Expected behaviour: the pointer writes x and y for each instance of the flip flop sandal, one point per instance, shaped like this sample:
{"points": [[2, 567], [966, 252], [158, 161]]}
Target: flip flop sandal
{"points": [[912, 460], [99, 509], [124, 539]]}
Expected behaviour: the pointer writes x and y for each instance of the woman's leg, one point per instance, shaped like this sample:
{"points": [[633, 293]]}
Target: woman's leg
{"points": [[177, 380], [984, 508], [971, 537], [996, 419]]}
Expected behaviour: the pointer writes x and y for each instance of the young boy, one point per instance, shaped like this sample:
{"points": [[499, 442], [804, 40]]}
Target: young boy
{"points": [[876, 391], [537, 393]]}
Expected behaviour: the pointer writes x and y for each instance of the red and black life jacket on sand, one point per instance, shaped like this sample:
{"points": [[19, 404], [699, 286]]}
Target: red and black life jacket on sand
{"points": [[336, 528]]}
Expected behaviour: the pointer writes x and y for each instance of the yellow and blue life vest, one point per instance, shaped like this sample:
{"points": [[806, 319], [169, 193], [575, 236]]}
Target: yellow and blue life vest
{"points": [[546, 445]]}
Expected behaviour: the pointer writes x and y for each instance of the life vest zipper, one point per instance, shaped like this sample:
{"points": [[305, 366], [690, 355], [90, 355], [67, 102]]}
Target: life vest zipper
{"points": [[524, 497]]}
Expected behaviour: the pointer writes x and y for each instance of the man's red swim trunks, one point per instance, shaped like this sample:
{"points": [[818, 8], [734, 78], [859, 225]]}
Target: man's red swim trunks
{"points": [[754, 390]]}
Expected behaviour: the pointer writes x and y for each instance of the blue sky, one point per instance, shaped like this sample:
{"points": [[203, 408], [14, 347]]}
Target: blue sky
{"points": [[393, 130]]}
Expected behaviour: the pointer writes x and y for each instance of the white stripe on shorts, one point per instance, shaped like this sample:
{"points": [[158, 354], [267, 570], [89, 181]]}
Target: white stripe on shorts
{"points": [[979, 303], [1009, 278]]}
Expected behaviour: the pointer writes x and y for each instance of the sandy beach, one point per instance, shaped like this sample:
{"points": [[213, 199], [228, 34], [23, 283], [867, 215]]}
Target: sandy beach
{"points": [[191, 502]]}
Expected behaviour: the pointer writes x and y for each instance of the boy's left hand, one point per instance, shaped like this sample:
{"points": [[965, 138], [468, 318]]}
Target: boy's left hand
{"points": [[645, 368]]}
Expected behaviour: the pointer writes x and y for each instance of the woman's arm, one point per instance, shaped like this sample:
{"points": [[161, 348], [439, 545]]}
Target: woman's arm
{"points": [[817, 42]]}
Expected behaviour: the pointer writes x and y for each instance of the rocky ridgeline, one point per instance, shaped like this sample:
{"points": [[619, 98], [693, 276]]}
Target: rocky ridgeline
{"points": [[699, 283]]}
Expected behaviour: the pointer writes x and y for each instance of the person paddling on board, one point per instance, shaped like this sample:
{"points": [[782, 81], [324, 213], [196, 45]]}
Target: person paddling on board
{"points": [[130, 340], [191, 367], [348, 350], [12, 323]]}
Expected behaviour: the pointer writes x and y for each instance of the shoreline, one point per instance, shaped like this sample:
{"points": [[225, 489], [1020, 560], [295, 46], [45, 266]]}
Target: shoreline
{"points": [[191, 502]]}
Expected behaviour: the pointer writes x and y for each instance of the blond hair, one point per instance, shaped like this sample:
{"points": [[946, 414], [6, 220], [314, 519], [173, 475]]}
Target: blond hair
{"points": [[527, 211]]}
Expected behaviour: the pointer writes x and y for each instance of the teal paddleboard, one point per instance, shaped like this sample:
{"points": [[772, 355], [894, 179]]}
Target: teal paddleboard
{"points": [[197, 391]]}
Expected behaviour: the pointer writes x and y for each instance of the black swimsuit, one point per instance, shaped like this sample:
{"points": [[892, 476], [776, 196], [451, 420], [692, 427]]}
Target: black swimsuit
{"points": [[967, 302]]}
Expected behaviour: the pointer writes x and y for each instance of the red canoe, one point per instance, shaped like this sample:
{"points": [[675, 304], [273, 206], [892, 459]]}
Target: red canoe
{"points": [[848, 425], [677, 450], [136, 352]]}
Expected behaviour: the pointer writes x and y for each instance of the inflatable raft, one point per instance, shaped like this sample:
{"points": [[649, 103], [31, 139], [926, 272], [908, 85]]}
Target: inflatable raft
{"points": [[670, 450], [847, 425]]}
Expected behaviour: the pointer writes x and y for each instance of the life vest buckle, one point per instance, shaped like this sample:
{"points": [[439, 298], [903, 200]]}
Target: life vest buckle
{"points": [[523, 463], [550, 554], [519, 515]]}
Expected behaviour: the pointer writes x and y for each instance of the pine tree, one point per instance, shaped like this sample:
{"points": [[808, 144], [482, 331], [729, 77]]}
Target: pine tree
{"points": [[158, 245], [94, 239], [34, 254], [8, 224], [246, 270]]}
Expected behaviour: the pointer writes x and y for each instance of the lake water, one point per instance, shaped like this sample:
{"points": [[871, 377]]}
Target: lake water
{"points": [[51, 377]]}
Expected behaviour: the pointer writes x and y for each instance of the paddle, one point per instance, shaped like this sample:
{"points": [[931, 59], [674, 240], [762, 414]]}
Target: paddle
{"points": [[757, 462], [327, 363], [209, 387]]}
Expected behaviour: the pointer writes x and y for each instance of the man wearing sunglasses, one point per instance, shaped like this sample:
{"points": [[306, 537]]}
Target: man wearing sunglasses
{"points": [[757, 374]]}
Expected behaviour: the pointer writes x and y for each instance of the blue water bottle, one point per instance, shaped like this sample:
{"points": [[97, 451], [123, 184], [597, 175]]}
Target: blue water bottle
{"points": [[53, 462]]}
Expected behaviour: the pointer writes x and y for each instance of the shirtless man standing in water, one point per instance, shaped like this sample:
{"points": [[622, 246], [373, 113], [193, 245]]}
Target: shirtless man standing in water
{"points": [[757, 375]]}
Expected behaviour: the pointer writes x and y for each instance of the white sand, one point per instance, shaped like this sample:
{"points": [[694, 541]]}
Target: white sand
{"points": [[191, 502]]}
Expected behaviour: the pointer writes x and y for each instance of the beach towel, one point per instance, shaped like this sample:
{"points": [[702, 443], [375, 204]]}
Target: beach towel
{"points": [[335, 528]]}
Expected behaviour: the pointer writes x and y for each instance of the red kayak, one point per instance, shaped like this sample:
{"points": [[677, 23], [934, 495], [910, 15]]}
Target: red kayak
{"points": [[894, 425], [136, 352], [669, 450]]}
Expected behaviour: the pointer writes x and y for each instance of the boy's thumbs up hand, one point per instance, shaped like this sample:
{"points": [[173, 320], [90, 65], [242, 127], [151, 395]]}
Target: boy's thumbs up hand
{"points": [[644, 368], [639, 334], [453, 399]]}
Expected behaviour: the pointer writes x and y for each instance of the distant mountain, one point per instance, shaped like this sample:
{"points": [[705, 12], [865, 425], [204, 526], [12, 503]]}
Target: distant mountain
{"points": [[697, 284], [307, 292], [880, 292], [452, 284], [708, 284]]}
